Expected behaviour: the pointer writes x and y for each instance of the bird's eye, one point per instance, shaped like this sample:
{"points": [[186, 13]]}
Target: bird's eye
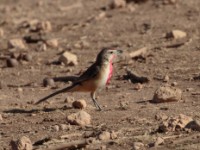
{"points": [[111, 52]]}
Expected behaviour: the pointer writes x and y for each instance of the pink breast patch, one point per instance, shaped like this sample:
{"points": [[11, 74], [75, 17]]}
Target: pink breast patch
{"points": [[110, 73], [110, 70]]}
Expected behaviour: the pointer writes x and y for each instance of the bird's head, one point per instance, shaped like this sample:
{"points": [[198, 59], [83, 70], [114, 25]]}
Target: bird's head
{"points": [[107, 55]]}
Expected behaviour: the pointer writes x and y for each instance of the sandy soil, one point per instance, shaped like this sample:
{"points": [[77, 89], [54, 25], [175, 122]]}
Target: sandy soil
{"points": [[126, 111]]}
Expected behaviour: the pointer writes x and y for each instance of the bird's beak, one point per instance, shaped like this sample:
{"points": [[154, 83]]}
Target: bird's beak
{"points": [[119, 51]]}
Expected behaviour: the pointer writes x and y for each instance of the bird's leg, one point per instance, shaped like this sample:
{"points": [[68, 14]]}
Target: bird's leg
{"points": [[95, 102]]}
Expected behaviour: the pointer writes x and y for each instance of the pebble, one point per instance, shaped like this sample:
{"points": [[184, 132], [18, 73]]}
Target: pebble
{"points": [[23, 143], [19, 90], [131, 8], [85, 44], [11, 62], [189, 89], [113, 135], [79, 104], [176, 34], [98, 17], [45, 26], [138, 86], [194, 125], [16, 43], [80, 118], [48, 82], [167, 94], [64, 127], [33, 115], [1, 118], [41, 46], [138, 146], [166, 78], [55, 128], [158, 141], [52, 43], [117, 4], [174, 84], [175, 123], [161, 117], [69, 59], [104, 136], [15, 55], [69, 100], [1, 32], [27, 57]]}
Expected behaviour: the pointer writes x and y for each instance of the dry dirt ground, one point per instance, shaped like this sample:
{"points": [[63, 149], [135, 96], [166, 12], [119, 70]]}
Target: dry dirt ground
{"points": [[82, 28]]}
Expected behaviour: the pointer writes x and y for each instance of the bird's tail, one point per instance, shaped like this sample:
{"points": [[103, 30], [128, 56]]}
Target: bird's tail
{"points": [[67, 89]]}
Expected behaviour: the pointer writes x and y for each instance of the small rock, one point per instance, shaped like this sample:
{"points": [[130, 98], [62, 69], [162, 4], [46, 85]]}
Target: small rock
{"points": [[82, 44], [27, 57], [41, 46], [24, 143], [194, 125], [183, 120], [138, 146], [24, 62], [1, 32], [16, 43], [167, 94], [52, 43], [80, 104], [117, 4], [64, 127], [68, 59], [55, 128], [15, 55], [45, 26], [98, 17], [19, 90], [166, 78], [32, 24], [158, 141], [69, 100], [124, 105], [175, 123], [167, 2], [88, 134], [113, 135], [189, 89], [81, 118], [48, 82], [138, 86], [161, 117], [105, 135], [85, 44], [33, 115], [1, 118], [176, 34], [11, 62], [103, 147], [174, 84], [77, 45], [131, 8]]}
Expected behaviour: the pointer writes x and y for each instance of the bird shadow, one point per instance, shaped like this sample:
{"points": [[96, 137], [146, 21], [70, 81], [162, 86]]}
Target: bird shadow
{"points": [[24, 111], [65, 78], [145, 101], [56, 79]]}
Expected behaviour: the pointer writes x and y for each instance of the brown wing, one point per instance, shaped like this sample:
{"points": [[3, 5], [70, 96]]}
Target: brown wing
{"points": [[91, 72]]}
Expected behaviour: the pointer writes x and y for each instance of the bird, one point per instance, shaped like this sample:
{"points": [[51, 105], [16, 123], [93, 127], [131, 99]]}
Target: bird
{"points": [[97, 76]]}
